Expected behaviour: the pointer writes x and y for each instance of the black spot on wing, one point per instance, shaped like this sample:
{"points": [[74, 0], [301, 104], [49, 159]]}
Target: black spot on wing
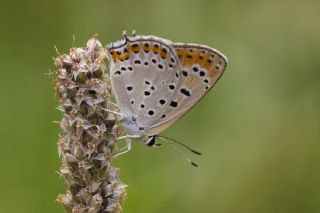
{"points": [[171, 86], [184, 73], [160, 66], [185, 92], [162, 101], [195, 69], [202, 73], [147, 93], [174, 104]]}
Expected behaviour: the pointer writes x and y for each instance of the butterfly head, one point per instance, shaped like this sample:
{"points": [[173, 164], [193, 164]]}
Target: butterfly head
{"points": [[131, 126], [129, 123]]}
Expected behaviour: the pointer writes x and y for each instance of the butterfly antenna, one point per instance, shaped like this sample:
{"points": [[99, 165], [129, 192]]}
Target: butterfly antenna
{"points": [[181, 144], [178, 150]]}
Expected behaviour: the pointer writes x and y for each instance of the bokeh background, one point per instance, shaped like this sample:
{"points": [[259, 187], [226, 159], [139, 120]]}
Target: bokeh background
{"points": [[259, 128]]}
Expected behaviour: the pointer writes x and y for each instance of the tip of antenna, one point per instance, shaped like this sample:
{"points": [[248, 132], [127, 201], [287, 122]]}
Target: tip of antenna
{"points": [[194, 164], [195, 152]]}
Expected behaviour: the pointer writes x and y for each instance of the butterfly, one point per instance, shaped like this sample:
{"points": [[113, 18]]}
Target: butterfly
{"points": [[155, 82]]}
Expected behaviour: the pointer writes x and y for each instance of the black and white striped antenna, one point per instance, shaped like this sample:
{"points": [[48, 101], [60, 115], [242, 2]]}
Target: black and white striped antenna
{"points": [[170, 142]]}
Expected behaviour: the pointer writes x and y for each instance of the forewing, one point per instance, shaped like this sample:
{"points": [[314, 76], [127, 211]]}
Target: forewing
{"points": [[202, 67], [145, 75]]}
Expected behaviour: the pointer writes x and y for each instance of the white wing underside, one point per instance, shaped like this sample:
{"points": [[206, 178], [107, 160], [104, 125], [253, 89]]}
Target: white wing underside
{"points": [[186, 73]]}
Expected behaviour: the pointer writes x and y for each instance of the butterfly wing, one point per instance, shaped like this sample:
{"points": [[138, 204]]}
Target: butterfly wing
{"points": [[145, 75], [202, 67]]}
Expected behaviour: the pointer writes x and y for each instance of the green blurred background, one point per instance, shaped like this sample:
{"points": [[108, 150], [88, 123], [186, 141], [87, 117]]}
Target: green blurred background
{"points": [[259, 129]]}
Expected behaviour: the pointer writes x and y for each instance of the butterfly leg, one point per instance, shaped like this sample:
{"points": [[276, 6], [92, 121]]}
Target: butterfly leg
{"points": [[127, 148], [113, 104], [128, 136], [114, 112]]}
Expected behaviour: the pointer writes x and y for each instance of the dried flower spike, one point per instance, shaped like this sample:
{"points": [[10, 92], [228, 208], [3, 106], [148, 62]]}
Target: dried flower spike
{"points": [[88, 132]]}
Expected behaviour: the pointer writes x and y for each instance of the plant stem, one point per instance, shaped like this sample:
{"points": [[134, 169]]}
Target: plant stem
{"points": [[88, 132]]}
